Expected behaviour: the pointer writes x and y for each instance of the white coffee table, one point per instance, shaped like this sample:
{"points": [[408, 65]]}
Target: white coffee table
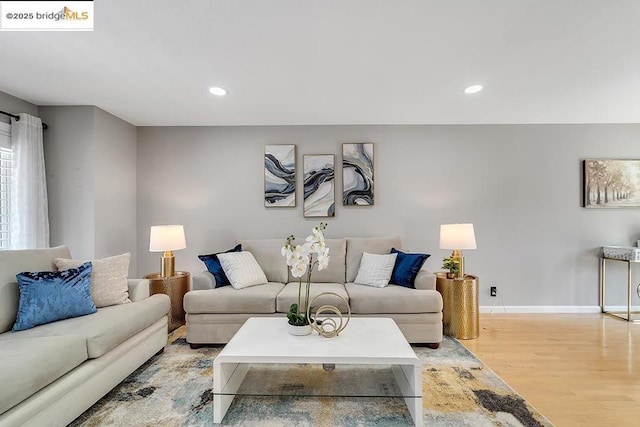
{"points": [[365, 341]]}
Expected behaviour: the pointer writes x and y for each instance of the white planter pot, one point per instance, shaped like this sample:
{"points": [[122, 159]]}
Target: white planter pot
{"points": [[299, 330]]}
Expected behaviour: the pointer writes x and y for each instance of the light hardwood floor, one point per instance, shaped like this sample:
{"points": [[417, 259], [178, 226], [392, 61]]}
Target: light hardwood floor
{"points": [[576, 369]]}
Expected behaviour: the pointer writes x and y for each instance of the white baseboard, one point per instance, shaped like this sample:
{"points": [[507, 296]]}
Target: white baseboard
{"points": [[622, 308], [540, 309]]}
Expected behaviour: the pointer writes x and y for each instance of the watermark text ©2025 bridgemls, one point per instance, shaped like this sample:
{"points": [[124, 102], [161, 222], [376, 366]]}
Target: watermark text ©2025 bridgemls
{"points": [[46, 15]]}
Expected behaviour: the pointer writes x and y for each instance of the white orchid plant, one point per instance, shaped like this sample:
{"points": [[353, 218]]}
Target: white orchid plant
{"points": [[302, 259]]}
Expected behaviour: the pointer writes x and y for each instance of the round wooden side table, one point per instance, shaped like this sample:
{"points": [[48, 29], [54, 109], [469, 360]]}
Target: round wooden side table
{"points": [[461, 311], [175, 287]]}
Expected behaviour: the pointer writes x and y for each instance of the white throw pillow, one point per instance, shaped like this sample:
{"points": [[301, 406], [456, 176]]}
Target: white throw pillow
{"points": [[242, 269], [108, 278], [375, 270]]}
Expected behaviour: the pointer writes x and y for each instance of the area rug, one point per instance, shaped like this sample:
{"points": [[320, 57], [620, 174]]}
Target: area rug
{"points": [[175, 389]]}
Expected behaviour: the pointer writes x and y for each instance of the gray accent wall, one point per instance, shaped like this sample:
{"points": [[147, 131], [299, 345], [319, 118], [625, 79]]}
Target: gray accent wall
{"points": [[69, 151], [520, 185], [13, 105], [90, 159], [115, 187]]}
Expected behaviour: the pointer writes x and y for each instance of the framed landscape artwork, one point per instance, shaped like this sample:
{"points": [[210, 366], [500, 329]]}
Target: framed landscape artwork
{"points": [[357, 174], [280, 176], [611, 183], [319, 185]]}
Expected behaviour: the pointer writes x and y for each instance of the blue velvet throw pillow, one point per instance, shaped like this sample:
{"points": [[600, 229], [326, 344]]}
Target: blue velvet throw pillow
{"points": [[213, 265], [406, 268], [47, 296]]}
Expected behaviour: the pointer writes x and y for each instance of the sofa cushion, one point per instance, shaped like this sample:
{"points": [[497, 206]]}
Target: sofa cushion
{"points": [[392, 299], [267, 253], [242, 269], [259, 299], [373, 245], [110, 326], [289, 295], [213, 266], [406, 268], [335, 271], [425, 280], [13, 262], [108, 279], [47, 296], [375, 270], [30, 364]]}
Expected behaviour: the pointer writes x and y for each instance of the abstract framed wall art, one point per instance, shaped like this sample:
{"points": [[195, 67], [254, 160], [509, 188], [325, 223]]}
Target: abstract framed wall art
{"points": [[611, 183], [319, 185], [357, 174], [280, 176]]}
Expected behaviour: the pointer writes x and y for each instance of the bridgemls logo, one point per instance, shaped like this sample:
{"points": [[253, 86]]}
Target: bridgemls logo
{"points": [[66, 13], [46, 15]]}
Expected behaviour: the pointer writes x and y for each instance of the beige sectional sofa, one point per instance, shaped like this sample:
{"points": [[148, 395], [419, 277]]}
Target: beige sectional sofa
{"points": [[52, 373], [215, 314]]}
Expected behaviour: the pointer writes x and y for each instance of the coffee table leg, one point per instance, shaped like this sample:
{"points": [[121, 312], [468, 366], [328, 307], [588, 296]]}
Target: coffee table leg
{"points": [[409, 379], [227, 377]]}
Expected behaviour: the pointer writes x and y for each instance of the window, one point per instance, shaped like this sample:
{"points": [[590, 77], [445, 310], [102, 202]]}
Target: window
{"points": [[6, 166]]}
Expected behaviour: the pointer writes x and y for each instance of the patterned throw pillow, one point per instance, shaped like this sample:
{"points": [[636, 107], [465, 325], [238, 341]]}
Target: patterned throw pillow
{"points": [[406, 268], [48, 296], [109, 278], [213, 265], [242, 269], [375, 270]]}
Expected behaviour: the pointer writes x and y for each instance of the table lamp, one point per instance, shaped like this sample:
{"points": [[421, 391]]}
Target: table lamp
{"points": [[457, 237], [167, 238]]}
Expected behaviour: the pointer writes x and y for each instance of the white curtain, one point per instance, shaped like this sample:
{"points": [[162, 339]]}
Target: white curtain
{"points": [[29, 208]]}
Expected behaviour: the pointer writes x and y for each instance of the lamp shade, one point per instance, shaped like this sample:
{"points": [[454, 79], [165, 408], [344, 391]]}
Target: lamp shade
{"points": [[457, 236], [166, 238]]}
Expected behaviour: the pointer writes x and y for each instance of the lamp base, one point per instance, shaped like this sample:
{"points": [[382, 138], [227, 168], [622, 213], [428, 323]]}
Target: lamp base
{"points": [[457, 255], [168, 264]]}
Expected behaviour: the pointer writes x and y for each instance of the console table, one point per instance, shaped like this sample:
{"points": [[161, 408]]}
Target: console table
{"points": [[603, 286]]}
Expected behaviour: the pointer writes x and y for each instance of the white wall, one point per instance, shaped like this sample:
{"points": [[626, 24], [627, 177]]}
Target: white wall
{"points": [[90, 159], [520, 186]]}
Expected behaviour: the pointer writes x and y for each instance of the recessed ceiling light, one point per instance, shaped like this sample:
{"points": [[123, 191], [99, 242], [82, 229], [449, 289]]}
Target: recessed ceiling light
{"points": [[473, 89], [218, 91]]}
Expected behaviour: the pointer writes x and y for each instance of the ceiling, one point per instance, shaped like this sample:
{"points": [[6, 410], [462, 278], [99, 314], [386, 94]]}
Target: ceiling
{"points": [[291, 62]]}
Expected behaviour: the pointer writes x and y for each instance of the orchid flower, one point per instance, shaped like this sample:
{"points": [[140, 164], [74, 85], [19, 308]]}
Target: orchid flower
{"points": [[300, 259]]}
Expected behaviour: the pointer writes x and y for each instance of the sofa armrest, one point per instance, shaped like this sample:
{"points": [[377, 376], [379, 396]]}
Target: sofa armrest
{"points": [[138, 289], [425, 280], [203, 281]]}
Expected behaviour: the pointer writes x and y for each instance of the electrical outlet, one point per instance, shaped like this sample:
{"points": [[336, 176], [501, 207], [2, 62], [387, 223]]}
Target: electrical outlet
{"points": [[494, 291]]}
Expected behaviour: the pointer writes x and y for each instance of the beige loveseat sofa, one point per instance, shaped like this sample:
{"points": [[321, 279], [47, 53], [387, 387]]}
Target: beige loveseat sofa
{"points": [[215, 314], [52, 373]]}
